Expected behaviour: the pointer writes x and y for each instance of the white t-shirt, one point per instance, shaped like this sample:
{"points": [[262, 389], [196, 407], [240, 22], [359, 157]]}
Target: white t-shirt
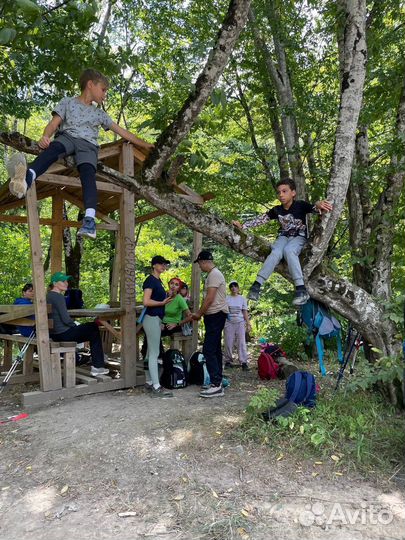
{"points": [[236, 304]]}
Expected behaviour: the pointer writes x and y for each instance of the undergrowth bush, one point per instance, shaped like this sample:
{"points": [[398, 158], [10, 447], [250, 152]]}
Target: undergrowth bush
{"points": [[353, 430]]}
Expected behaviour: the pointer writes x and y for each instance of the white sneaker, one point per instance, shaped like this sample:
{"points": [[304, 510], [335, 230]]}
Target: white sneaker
{"points": [[17, 169], [212, 391], [96, 371]]}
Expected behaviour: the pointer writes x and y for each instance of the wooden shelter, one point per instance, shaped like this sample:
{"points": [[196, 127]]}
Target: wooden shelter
{"points": [[61, 183]]}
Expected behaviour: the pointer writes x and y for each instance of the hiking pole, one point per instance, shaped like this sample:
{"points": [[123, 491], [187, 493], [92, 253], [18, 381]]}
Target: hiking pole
{"points": [[350, 344], [358, 344], [17, 361]]}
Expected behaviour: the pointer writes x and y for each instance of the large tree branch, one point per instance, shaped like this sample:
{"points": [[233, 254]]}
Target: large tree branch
{"points": [[168, 141], [354, 68]]}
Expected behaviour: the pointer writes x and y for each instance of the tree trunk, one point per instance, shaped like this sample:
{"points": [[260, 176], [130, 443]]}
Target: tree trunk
{"points": [[168, 141]]}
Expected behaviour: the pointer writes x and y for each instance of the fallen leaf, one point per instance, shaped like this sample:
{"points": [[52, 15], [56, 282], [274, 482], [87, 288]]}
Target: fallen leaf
{"points": [[29, 468], [185, 479], [244, 512], [218, 432], [4, 488], [280, 457], [339, 474], [215, 494], [64, 489], [242, 533], [126, 514], [315, 474], [178, 498], [318, 463], [335, 458]]}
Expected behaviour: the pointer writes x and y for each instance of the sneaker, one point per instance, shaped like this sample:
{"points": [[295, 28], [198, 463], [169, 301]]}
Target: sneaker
{"points": [[245, 367], [301, 297], [212, 391], [96, 371], [205, 387], [148, 386], [17, 169], [160, 392], [254, 291], [228, 365], [88, 228]]}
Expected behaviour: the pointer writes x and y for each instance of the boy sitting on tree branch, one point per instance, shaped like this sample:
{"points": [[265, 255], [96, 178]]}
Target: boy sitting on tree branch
{"points": [[291, 239]]}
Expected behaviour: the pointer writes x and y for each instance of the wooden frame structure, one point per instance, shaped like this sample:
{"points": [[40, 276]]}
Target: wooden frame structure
{"points": [[61, 183]]}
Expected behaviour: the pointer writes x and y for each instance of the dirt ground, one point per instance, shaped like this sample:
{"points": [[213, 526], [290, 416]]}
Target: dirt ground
{"points": [[122, 465]]}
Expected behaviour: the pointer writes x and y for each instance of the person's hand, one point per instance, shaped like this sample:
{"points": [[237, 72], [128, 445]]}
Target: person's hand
{"points": [[237, 224], [248, 327], [170, 326], [167, 300], [44, 142], [195, 316], [324, 206]]}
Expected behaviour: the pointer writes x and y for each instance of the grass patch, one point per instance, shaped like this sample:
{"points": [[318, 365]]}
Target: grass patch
{"points": [[357, 431]]}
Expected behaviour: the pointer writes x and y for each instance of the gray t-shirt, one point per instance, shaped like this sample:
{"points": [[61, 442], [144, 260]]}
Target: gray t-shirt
{"points": [[80, 120], [62, 321]]}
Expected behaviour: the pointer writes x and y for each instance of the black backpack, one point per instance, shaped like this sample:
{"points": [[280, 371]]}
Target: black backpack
{"points": [[196, 373], [174, 373]]}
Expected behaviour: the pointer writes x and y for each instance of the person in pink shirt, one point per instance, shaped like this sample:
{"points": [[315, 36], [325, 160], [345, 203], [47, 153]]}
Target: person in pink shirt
{"points": [[235, 327]]}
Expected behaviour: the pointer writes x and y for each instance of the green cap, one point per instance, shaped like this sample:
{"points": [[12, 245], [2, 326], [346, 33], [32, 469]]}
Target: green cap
{"points": [[59, 276]]}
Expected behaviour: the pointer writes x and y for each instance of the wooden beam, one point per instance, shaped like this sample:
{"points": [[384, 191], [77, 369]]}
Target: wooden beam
{"points": [[127, 273], [48, 376], [61, 180], [57, 232], [195, 285], [149, 216], [64, 223]]}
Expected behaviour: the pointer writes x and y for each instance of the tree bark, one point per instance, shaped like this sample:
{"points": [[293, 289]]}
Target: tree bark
{"points": [[354, 54], [168, 141]]}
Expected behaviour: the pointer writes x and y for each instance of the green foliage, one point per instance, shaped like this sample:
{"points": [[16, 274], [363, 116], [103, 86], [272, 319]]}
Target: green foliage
{"points": [[348, 430], [385, 370], [261, 402]]}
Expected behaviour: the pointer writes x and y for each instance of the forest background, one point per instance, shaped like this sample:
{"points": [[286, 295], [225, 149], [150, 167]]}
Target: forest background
{"points": [[277, 109]]}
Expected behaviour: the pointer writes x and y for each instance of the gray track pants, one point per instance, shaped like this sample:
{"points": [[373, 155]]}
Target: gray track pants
{"points": [[289, 249]]}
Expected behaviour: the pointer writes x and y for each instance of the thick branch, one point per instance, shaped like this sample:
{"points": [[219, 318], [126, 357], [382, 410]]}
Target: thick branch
{"points": [[168, 141]]}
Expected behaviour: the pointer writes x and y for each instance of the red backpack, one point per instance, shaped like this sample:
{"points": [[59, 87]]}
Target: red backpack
{"points": [[267, 366]]}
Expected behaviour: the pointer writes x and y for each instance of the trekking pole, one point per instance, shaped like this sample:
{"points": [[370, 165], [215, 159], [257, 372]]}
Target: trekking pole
{"points": [[358, 344], [19, 359], [350, 344]]}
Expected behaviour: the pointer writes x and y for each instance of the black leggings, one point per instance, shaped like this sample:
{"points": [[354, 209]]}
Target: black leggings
{"points": [[87, 171], [85, 332]]}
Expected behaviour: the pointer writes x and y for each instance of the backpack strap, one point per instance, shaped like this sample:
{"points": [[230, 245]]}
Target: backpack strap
{"points": [[297, 385], [309, 387], [319, 347]]}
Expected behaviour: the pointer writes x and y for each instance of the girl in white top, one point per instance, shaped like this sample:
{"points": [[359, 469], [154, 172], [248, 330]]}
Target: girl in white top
{"points": [[236, 326]]}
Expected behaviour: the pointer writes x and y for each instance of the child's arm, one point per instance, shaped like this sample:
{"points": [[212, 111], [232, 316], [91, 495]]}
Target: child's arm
{"points": [[254, 222], [49, 130], [125, 134], [323, 206]]}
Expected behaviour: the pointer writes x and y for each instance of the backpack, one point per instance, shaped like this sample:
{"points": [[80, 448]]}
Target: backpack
{"points": [[300, 389], [74, 299], [174, 373], [198, 371], [267, 366], [321, 324]]}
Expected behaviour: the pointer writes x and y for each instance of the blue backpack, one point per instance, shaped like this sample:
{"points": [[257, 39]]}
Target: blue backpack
{"points": [[300, 389], [321, 324]]}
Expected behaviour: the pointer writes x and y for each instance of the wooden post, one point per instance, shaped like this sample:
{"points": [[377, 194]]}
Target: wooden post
{"points": [[57, 232], [115, 276], [127, 272], [195, 285], [50, 379]]}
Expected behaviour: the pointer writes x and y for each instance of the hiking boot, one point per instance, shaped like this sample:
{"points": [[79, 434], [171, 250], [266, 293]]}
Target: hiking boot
{"points": [[88, 228], [301, 297], [96, 371], [212, 391], [148, 386], [245, 367], [17, 169], [254, 291], [160, 392]]}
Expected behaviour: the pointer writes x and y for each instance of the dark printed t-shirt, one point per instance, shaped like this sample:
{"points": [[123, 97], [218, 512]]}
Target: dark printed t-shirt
{"points": [[292, 221], [158, 294]]}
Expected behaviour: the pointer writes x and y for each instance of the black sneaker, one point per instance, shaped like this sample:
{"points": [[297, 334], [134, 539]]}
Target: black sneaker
{"points": [[228, 365], [254, 291], [245, 367], [301, 297], [160, 392]]}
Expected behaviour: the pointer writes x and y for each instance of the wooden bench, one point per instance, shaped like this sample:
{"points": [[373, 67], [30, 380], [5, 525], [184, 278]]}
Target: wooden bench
{"points": [[64, 349]]}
